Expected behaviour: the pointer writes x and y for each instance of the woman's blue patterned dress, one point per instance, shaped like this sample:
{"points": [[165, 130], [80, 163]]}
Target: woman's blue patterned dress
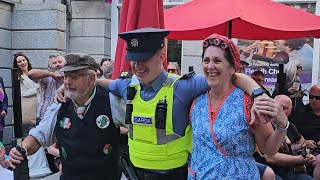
{"points": [[223, 144]]}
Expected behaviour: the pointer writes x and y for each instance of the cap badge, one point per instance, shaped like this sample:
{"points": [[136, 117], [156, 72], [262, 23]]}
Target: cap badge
{"points": [[134, 42], [102, 121]]}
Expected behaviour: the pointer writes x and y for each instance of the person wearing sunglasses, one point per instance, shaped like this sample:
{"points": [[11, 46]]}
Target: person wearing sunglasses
{"points": [[307, 121], [293, 70], [173, 68]]}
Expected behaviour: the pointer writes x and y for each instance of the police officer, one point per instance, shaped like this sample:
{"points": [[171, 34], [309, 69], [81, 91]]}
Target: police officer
{"points": [[83, 126], [158, 106]]}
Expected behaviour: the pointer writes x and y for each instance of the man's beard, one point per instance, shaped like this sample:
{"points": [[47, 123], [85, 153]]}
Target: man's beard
{"points": [[74, 95]]}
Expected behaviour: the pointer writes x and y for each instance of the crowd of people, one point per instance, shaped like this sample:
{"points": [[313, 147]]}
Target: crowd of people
{"points": [[152, 124]]}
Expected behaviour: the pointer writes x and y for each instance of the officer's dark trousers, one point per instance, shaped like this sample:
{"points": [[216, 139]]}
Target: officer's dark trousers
{"points": [[177, 174], [123, 150]]}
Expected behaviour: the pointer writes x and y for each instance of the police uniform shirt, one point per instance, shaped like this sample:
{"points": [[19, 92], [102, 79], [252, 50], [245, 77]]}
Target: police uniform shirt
{"points": [[185, 90]]}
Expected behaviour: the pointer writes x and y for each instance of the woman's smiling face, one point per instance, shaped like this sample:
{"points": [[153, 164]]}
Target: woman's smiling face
{"points": [[22, 63], [216, 67]]}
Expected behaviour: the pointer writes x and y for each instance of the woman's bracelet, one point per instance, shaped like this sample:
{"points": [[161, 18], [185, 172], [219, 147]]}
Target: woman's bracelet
{"points": [[280, 129]]}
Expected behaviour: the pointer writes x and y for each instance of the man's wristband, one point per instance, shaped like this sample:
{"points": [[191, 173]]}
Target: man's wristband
{"points": [[280, 129]]}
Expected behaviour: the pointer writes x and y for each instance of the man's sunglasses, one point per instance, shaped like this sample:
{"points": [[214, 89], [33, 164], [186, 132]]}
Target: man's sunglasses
{"points": [[313, 96]]}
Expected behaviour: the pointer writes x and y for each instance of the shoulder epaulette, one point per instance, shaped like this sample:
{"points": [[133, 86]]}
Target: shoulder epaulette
{"points": [[125, 74], [188, 75]]}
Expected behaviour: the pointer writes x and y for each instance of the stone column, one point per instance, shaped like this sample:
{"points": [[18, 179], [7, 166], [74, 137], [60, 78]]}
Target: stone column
{"points": [[38, 30], [90, 28], [6, 63]]}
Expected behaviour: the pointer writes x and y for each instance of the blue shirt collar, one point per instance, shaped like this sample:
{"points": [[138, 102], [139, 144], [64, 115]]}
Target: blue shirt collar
{"points": [[158, 82]]}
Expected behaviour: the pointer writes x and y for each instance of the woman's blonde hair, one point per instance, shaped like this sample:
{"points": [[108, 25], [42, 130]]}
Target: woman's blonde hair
{"points": [[291, 70]]}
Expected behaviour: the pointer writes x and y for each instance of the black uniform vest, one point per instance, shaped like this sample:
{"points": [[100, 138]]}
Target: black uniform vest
{"points": [[87, 151]]}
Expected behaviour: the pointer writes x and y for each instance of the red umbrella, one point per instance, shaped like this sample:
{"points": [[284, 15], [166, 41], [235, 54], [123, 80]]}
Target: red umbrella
{"points": [[244, 19], [136, 14]]}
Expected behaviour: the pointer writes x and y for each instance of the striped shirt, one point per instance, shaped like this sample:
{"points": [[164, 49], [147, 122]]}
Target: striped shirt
{"points": [[47, 91]]}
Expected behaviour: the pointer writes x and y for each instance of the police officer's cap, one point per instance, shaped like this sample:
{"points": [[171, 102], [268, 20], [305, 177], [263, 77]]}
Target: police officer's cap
{"points": [[76, 61], [143, 43]]}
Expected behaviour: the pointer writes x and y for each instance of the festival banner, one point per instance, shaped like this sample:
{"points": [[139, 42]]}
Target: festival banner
{"points": [[266, 55]]}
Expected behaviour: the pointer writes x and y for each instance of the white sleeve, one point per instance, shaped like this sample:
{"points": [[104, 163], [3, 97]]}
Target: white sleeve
{"points": [[118, 109], [44, 132]]}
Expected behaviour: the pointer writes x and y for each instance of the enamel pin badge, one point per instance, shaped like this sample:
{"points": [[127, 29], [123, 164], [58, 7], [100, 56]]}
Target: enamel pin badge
{"points": [[107, 149], [102, 121], [65, 123]]}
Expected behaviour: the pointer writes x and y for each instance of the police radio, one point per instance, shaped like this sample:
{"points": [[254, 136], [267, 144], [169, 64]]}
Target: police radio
{"points": [[161, 114], [131, 92]]}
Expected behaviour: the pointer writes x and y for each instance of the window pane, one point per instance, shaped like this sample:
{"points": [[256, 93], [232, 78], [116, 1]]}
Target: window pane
{"points": [[174, 51]]}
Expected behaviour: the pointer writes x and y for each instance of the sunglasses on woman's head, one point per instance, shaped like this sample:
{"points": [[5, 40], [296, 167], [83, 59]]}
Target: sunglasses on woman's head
{"points": [[18, 54], [215, 42], [299, 67], [314, 97]]}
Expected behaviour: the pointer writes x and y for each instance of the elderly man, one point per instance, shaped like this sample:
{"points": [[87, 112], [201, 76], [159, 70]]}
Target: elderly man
{"points": [[284, 162], [83, 126]]}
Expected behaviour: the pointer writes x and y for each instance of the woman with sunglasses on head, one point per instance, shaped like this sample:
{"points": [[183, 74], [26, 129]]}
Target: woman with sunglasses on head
{"points": [[293, 70], [224, 138]]}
